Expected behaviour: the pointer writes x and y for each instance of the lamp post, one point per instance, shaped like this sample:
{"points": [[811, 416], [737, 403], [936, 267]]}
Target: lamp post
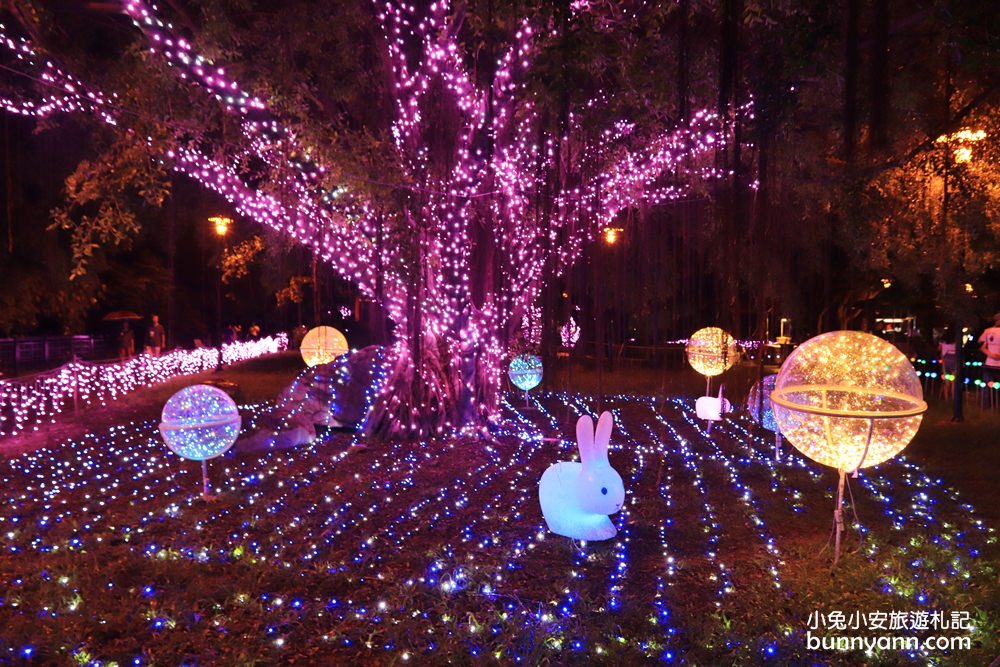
{"points": [[957, 148], [610, 236], [220, 224]]}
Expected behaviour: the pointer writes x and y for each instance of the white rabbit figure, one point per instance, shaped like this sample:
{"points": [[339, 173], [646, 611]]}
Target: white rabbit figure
{"points": [[711, 408], [577, 498]]}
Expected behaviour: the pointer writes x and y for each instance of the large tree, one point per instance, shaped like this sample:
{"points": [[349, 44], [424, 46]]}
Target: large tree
{"points": [[435, 170]]}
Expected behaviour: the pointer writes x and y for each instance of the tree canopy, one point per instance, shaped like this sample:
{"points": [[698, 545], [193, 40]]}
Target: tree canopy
{"points": [[453, 161]]}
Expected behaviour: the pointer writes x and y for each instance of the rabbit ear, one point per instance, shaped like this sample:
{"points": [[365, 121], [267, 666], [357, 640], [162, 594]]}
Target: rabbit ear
{"points": [[585, 438], [603, 436]]}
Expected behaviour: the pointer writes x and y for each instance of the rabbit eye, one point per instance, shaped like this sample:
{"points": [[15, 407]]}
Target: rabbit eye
{"points": [[604, 490]]}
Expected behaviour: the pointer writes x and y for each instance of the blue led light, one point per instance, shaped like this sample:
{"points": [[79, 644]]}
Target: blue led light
{"points": [[350, 531], [200, 422], [525, 371], [759, 403]]}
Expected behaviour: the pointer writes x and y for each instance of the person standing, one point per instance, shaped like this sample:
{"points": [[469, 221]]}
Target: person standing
{"points": [[949, 355], [989, 343], [156, 337], [126, 342]]}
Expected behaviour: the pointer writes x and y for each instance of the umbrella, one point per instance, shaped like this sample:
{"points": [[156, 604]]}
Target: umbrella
{"points": [[121, 316]]}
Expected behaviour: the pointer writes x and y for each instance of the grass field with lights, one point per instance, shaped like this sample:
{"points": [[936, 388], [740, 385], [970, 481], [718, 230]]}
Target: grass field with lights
{"points": [[347, 552]]}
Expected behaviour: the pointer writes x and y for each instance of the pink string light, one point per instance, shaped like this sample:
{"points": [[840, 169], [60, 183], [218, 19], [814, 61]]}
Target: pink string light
{"points": [[500, 165], [30, 403]]}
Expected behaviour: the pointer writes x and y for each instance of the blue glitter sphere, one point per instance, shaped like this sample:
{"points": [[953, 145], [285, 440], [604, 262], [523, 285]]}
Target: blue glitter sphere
{"points": [[525, 371], [200, 422], [759, 406]]}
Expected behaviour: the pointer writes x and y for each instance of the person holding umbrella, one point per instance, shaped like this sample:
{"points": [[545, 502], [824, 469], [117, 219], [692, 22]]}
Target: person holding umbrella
{"points": [[126, 342], [126, 337]]}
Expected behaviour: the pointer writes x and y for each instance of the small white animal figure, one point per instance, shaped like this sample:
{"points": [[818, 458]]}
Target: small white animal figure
{"points": [[711, 408], [577, 498]]}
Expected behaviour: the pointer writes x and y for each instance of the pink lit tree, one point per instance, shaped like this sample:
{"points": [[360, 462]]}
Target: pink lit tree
{"points": [[482, 196]]}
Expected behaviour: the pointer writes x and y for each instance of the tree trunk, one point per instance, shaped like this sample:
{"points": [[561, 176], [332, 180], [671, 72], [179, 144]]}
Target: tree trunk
{"points": [[9, 183], [732, 206], [376, 314], [437, 379], [683, 110], [878, 132], [171, 271], [317, 315], [433, 386], [851, 80]]}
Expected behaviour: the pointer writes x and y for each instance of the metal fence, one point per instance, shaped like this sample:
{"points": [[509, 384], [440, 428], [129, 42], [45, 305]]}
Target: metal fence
{"points": [[19, 355]]}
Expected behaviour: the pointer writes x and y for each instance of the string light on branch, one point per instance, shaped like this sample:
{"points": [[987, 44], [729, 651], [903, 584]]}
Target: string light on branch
{"points": [[277, 179], [569, 333]]}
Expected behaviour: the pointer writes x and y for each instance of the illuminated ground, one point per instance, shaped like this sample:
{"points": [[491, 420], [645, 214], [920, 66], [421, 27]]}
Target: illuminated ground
{"points": [[335, 554]]}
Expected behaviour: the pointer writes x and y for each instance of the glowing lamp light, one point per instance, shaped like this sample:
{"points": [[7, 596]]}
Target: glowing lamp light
{"points": [[221, 224], [848, 400], [200, 422], [323, 345], [525, 371], [963, 153], [711, 351], [612, 234]]}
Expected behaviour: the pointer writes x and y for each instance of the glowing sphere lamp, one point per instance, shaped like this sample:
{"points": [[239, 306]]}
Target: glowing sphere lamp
{"points": [[321, 345], [848, 400], [199, 423], [759, 407], [525, 371], [711, 351]]}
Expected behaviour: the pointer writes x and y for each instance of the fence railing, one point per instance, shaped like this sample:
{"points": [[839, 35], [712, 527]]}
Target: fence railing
{"points": [[20, 354], [31, 401]]}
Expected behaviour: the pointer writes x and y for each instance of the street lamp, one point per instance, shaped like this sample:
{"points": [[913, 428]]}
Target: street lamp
{"points": [[610, 236], [220, 224], [957, 150], [960, 140]]}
